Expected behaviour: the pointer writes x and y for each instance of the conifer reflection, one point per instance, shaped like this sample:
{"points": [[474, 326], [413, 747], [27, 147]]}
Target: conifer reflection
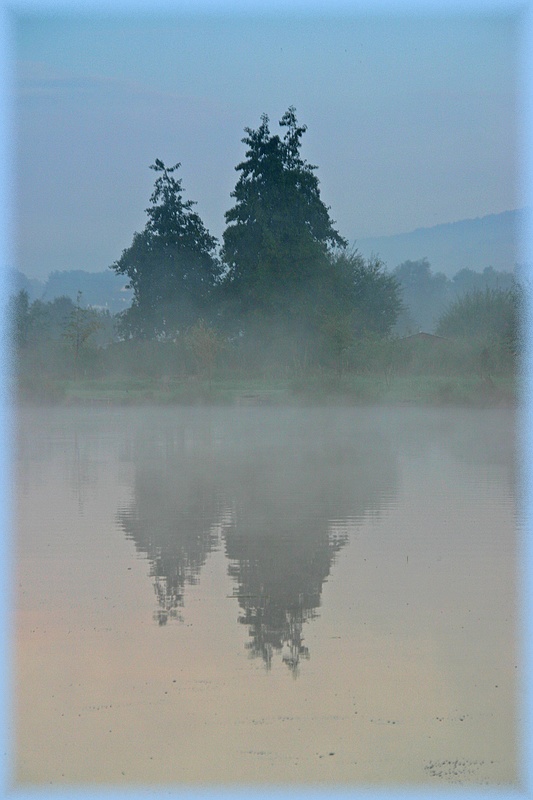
{"points": [[175, 505], [297, 495]]}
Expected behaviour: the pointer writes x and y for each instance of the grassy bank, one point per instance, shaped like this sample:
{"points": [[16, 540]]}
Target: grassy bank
{"points": [[326, 389]]}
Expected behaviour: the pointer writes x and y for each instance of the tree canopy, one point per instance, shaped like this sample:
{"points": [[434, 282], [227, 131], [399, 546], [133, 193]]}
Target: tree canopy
{"points": [[171, 265], [492, 313], [279, 230], [366, 292]]}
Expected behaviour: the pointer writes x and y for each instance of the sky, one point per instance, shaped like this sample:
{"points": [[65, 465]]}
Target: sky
{"points": [[413, 118]]}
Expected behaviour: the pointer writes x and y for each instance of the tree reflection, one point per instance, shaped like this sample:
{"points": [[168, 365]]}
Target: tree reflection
{"points": [[279, 579], [282, 490], [174, 508], [297, 495], [277, 630]]}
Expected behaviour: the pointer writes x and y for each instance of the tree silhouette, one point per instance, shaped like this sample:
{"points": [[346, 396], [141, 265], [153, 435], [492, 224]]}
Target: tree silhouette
{"points": [[279, 230], [171, 265]]}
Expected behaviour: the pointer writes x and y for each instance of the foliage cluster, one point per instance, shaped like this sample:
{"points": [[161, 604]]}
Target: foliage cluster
{"points": [[492, 313], [282, 285], [57, 339]]}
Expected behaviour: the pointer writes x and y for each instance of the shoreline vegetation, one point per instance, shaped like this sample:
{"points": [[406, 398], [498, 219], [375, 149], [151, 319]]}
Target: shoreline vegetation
{"points": [[320, 389], [281, 312]]}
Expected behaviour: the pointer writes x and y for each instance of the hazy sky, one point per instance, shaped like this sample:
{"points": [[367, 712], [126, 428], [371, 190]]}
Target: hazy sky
{"points": [[412, 119]]}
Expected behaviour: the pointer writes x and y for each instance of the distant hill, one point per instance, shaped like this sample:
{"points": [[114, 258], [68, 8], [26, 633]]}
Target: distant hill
{"points": [[104, 290], [491, 241]]}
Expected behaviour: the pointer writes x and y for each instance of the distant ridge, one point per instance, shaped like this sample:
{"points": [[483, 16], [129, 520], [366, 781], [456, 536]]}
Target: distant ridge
{"points": [[490, 241]]}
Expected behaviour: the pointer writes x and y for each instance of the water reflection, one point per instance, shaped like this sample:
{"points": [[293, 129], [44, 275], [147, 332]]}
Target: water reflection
{"points": [[396, 526], [282, 492], [175, 506]]}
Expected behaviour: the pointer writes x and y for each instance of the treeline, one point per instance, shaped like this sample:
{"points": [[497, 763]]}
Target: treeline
{"points": [[103, 289], [281, 295], [426, 295]]}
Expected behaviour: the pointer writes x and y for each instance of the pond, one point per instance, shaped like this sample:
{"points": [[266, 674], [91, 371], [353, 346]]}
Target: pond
{"points": [[265, 596]]}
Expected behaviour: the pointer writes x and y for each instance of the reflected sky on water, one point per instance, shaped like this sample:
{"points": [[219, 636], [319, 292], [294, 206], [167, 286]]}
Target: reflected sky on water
{"points": [[177, 566]]}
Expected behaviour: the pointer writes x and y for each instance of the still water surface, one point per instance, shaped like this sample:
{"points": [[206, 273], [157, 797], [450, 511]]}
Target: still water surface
{"points": [[217, 596]]}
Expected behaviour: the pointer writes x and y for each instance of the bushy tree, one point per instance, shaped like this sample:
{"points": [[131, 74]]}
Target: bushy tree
{"points": [[359, 300], [171, 265], [490, 314], [488, 327], [367, 291]]}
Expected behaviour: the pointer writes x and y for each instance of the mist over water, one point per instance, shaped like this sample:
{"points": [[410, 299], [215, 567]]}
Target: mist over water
{"points": [[267, 595]]}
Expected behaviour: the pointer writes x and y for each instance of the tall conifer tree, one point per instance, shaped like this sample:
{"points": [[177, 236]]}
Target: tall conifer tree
{"points": [[171, 265], [279, 231]]}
